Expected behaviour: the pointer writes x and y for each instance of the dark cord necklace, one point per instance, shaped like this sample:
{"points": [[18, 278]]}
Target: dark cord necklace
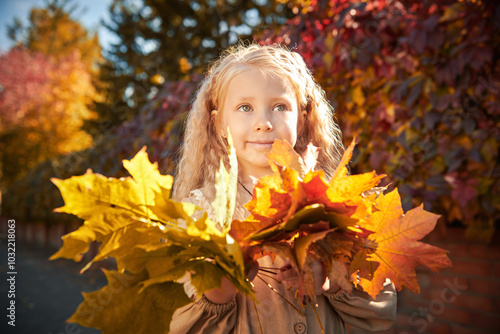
{"points": [[248, 191]]}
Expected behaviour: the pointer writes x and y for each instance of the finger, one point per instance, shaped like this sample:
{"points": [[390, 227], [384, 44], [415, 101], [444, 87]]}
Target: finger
{"points": [[286, 266], [253, 271], [288, 276], [319, 277]]}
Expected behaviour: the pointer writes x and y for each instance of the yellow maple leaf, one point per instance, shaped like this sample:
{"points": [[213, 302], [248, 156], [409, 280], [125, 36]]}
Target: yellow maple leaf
{"points": [[152, 238], [225, 189]]}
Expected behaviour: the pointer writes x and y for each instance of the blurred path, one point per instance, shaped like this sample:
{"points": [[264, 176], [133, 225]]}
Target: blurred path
{"points": [[47, 292]]}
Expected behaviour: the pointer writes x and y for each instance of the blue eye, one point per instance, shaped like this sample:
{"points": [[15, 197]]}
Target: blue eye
{"points": [[245, 108]]}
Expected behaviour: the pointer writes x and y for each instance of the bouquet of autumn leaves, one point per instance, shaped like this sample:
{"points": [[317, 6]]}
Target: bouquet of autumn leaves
{"points": [[360, 235]]}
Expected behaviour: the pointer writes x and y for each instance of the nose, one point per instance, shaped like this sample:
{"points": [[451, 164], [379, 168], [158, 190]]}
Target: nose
{"points": [[263, 122]]}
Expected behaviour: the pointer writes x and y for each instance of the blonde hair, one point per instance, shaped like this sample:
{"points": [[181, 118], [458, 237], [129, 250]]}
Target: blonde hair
{"points": [[203, 144]]}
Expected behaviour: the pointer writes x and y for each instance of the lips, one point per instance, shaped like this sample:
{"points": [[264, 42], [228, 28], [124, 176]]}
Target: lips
{"points": [[261, 144]]}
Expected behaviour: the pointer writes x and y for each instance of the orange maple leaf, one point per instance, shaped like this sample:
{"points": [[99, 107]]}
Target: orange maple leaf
{"points": [[296, 215], [393, 250]]}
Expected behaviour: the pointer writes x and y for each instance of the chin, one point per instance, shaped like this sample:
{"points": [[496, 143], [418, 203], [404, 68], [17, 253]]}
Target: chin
{"points": [[259, 162]]}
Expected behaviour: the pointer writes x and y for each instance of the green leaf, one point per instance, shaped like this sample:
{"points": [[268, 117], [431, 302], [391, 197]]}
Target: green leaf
{"points": [[309, 214]]}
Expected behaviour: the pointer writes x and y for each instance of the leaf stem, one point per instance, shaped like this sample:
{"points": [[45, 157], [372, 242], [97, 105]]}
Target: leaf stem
{"points": [[270, 268], [258, 318], [267, 271], [279, 294], [273, 278], [317, 316]]}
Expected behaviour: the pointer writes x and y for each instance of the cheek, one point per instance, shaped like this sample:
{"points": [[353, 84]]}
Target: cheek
{"points": [[292, 127], [237, 129], [287, 129]]}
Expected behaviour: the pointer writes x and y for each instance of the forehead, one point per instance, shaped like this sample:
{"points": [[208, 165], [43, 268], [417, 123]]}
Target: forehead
{"points": [[255, 81]]}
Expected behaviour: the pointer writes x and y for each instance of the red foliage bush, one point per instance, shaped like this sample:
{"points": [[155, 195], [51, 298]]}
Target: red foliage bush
{"points": [[418, 84]]}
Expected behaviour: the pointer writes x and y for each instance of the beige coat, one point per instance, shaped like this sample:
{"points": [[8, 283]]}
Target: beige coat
{"points": [[276, 316]]}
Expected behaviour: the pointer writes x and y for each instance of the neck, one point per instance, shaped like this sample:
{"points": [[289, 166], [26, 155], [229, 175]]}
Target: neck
{"points": [[250, 179]]}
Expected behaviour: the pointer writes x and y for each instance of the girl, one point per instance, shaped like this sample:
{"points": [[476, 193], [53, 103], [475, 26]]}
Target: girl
{"points": [[263, 93]]}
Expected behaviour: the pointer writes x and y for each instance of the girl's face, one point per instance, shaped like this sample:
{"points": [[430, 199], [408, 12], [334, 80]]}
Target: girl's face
{"points": [[258, 109]]}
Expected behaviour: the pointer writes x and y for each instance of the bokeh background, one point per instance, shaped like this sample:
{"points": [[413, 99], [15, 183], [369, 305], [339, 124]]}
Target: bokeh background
{"points": [[86, 85]]}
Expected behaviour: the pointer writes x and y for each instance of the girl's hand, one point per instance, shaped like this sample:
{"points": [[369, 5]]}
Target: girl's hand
{"points": [[288, 276], [253, 271], [222, 295], [227, 291]]}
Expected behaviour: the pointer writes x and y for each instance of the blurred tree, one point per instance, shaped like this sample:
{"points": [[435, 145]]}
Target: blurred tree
{"points": [[160, 41], [47, 88], [43, 103], [159, 126], [54, 31]]}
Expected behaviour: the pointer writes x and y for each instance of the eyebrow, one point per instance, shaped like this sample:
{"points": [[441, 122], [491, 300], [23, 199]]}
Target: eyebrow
{"points": [[250, 98], [245, 98]]}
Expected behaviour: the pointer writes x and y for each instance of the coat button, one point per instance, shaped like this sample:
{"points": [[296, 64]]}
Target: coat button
{"points": [[299, 328]]}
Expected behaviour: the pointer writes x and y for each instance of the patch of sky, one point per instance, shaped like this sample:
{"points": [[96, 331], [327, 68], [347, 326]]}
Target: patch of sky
{"points": [[146, 46], [252, 17], [146, 12], [194, 5], [208, 43], [189, 22], [155, 24], [260, 2]]}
